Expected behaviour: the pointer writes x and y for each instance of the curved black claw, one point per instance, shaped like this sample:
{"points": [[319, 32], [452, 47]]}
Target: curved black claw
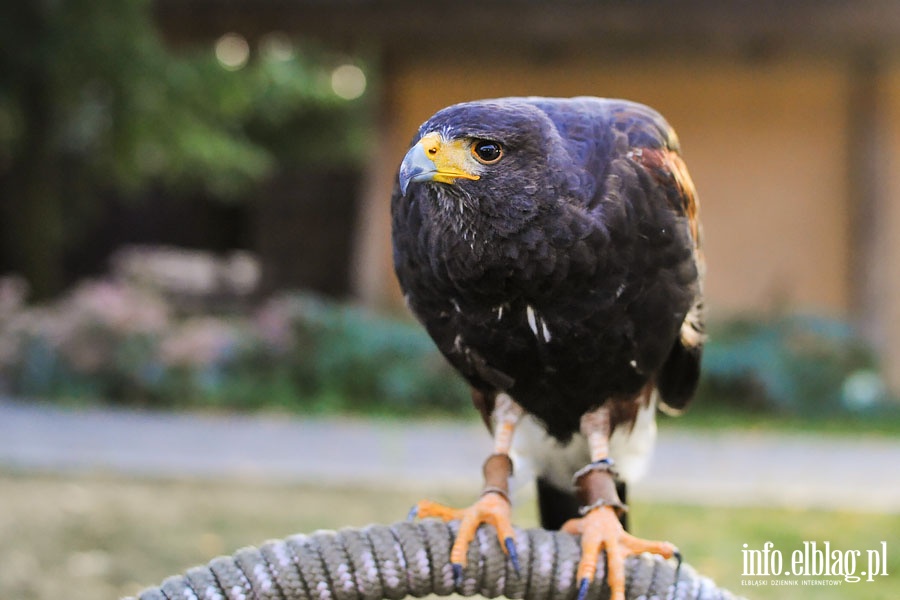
{"points": [[413, 513], [457, 574], [510, 544], [583, 588], [678, 560]]}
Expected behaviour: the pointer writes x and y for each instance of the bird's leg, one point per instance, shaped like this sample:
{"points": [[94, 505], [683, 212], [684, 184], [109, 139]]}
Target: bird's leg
{"points": [[599, 527], [493, 506]]}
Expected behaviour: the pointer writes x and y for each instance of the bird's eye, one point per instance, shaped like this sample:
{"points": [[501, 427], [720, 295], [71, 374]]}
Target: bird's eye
{"points": [[487, 152]]}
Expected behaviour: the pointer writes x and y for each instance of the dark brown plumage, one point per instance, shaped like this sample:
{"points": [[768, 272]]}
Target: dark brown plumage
{"points": [[563, 275], [551, 249]]}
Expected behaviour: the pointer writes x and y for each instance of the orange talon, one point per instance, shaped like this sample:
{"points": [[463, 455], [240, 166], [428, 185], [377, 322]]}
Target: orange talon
{"points": [[492, 508], [427, 508], [600, 529]]}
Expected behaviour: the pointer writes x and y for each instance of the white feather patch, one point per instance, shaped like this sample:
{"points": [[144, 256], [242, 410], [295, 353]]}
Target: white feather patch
{"points": [[532, 320], [499, 310], [633, 449], [543, 456], [537, 324], [545, 330]]}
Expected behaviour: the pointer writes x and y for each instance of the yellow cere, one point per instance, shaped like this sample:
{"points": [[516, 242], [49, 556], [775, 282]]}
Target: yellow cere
{"points": [[452, 158]]}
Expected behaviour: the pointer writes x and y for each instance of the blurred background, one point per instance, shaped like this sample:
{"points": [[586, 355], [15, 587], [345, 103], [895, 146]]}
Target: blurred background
{"points": [[194, 219]]}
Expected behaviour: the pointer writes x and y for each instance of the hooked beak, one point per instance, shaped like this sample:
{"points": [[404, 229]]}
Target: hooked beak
{"points": [[434, 159], [416, 166]]}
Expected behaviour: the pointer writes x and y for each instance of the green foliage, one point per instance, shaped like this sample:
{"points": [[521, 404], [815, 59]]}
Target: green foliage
{"points": [[796, 365], [123, 345], [92, 100], [358, 360], [127, 108]]}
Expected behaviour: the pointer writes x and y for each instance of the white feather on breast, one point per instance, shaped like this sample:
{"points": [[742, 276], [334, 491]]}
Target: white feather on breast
{"points": [[535, 452]]}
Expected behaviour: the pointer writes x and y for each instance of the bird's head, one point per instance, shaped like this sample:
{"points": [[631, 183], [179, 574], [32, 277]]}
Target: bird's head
{"points": [[489, 151], [438, 159]]}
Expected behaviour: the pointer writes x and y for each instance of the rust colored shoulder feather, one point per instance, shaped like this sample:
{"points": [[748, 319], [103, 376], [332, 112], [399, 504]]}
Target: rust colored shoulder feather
{"points": [[679, 375], [668, 169]]}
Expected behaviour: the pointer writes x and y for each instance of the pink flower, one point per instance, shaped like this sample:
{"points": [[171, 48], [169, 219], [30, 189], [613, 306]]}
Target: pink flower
{"points": [[273, 324], [120, 307], [198, 342], [13, 292]]}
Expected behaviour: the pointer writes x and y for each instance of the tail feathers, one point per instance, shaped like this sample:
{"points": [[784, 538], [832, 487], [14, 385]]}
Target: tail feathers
{"points": [[677, 380], [557, 506]]}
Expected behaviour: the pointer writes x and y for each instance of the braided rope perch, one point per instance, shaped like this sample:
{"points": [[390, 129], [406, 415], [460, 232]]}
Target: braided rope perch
{"points": [[413, 559]]}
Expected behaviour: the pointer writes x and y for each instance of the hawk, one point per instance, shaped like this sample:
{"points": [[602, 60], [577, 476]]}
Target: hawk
{"points": [[551, 249]]}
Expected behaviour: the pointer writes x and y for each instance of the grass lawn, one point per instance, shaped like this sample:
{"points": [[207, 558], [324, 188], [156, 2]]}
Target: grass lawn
{"points": [[100, 537], [848, 424]]}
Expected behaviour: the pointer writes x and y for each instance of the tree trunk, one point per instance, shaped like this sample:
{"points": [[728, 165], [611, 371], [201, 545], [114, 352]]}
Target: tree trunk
{"points": [[32, 226]]}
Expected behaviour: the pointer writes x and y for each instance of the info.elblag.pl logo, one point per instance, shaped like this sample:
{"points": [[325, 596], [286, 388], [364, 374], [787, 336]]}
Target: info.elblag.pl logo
{"points": [[812, 564]]}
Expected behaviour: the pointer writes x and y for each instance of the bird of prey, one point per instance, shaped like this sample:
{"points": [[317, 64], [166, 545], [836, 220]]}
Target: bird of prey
{"points": [[551, 249]]}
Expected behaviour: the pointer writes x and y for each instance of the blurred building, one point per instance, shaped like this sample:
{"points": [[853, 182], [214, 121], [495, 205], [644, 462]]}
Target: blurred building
{"points": [[788, 114]]}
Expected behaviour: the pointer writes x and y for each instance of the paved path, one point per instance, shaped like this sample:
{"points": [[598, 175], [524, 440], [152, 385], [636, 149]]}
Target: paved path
{"points": [[693, 467]]}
